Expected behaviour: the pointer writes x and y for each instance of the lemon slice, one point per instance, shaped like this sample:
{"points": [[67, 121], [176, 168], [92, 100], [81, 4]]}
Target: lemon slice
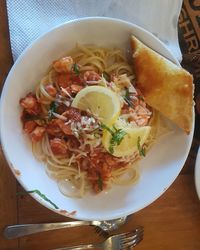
{"points": [[102, 102], [129, 144]]}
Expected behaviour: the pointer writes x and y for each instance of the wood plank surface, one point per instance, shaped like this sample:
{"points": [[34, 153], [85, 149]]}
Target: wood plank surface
{"points": [[8, 203], [172, 222], [8, 200]]}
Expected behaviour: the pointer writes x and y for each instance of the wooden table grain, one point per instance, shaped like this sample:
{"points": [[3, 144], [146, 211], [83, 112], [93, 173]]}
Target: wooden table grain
{"points": [[172, 222]]}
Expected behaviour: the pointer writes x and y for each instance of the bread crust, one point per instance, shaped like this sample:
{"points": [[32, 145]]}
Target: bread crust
{"points": [[166, 87]]}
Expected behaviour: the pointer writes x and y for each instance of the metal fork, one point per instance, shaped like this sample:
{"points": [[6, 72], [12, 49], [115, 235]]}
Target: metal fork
{"points": [[124, 241], [101, 227]]}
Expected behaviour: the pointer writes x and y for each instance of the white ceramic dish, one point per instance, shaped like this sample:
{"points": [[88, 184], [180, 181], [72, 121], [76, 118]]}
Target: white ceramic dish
{"points": [[197, 173], [158, 169]]}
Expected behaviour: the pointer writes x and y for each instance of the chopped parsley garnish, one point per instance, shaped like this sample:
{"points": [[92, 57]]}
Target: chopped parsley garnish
{"points": [[127, 98], [52, 109], [141, 149], [117, 135], [106, 76], [103, 126], [41, 195], [76, 69]]}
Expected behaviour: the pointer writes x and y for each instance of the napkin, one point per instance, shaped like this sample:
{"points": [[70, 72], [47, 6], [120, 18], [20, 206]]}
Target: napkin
{"points": [[30, 19]]}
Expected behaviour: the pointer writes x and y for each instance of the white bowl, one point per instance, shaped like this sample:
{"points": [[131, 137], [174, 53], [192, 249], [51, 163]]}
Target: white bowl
{"points": [[197, 173], [157, 170]]}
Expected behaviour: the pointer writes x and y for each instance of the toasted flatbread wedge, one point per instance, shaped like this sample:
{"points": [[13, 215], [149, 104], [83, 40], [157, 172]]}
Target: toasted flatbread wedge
{"points": [[166, 87]]}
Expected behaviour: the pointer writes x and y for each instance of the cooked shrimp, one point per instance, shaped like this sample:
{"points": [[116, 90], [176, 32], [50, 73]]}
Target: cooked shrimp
{"points": [[63, 80], [29, 126], [37, 134], [91, 76], [76, 88], [65, 127], [30, 104], [63, 65], [51, 90], [59, 146], [71, 90], [53, 128]]}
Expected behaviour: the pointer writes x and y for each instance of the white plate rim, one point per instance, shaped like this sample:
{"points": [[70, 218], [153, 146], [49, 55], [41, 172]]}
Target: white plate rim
{"points": [[18, 61], [197, 173]]}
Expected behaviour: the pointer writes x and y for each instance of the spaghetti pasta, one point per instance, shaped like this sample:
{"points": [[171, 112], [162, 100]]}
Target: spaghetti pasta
{"points": [[69, 140]]}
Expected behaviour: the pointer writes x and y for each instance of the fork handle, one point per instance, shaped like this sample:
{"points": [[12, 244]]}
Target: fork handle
{"points": [[15, 231], [80, 247]]}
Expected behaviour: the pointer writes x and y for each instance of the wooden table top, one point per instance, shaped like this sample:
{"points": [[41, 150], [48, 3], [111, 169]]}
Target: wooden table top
{"points": [[172, 222]]}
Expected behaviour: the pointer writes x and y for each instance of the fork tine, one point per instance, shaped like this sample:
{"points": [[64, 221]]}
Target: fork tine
{"points": [[127, 240], [131, 243], [133, 233], [131, 236], [101, 232], [137, 241]]}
